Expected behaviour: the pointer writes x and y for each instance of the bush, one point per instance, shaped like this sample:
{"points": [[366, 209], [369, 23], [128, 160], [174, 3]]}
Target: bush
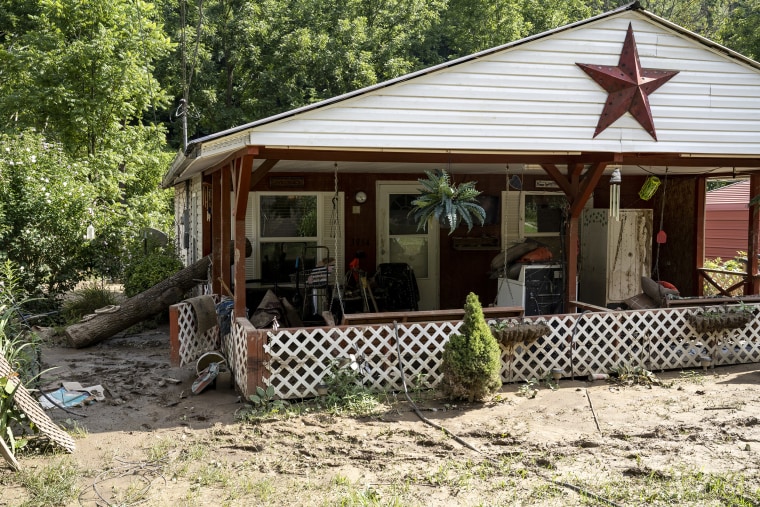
{"points": [[147, 271], [725, 280], [86, 300], [21, 349], [472, 360]]}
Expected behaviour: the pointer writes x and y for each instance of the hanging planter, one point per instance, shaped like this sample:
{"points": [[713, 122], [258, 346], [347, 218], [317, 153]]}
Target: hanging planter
{"points": [[448, 203], [706, 322], [510, 336]]}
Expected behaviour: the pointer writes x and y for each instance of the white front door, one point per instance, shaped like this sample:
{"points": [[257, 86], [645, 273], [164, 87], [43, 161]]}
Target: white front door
{"points": [[399, 240]]}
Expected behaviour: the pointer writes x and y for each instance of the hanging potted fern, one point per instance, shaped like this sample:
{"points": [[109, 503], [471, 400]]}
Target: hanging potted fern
{"points": [[446, 202]]}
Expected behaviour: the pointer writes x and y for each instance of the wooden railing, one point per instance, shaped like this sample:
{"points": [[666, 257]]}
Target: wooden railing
{"points": [[707, 275], [494, 312]]}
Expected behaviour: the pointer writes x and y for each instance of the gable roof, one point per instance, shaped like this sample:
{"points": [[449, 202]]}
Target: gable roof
{"points": [[526, 96]]}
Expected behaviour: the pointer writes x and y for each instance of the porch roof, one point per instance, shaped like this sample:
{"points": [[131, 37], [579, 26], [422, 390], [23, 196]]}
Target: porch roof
{"points": [[526, 102]]}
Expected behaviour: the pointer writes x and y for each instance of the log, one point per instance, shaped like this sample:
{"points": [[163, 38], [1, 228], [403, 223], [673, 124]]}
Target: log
{"points": [[138, 308]]}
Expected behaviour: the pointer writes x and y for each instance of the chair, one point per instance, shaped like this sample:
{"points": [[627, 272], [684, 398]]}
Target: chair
{"points": [[398, 285]]}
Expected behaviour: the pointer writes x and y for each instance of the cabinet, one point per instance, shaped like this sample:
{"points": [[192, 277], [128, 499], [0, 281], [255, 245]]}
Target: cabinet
{"points": [[614, 255], [538, 289]]}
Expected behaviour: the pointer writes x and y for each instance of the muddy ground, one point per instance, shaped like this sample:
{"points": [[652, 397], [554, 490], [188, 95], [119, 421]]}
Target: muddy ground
{"points": [[692, 441]]}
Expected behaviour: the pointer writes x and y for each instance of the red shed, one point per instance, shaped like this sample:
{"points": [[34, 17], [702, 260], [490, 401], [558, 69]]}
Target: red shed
{"points": [[726, 220]]}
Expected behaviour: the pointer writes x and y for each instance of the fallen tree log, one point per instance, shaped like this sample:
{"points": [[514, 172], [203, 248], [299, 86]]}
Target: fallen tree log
{"points": [[138, 308]]}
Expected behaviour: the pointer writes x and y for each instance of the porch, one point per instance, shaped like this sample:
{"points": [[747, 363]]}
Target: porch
{"points": [[295, 361]]}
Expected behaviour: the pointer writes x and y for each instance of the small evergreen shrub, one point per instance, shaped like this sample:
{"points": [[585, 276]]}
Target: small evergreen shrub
{"points": [[471, 360]]}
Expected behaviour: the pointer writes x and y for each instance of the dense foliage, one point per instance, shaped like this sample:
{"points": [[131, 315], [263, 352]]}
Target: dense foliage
{"points": [[147, 271], [45, 200], [19, 346], [89, 93]]}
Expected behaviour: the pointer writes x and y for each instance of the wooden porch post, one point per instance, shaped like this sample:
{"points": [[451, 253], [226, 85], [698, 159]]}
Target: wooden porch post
{"points": [[216, 231], [224, 232], [578, 188], [753, 248], [699, 246], [243, 169]]}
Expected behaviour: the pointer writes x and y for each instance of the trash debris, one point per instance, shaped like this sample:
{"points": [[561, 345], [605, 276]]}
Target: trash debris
{"points": [[72, 394], [206, 377], [208, 358]]}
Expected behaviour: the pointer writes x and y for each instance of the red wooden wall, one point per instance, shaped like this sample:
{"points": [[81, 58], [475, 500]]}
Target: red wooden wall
{"points": [[726, 221]]}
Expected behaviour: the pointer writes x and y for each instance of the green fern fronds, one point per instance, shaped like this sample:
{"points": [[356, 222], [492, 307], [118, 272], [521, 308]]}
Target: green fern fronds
{"points": [[449, 204]]}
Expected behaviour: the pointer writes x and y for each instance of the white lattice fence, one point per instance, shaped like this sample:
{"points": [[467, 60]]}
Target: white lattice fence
{"points": [[191, 345], [297, 360], [235, 349], [578, 344]]}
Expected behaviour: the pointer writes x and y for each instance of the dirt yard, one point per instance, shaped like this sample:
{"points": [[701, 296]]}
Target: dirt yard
{"points": [[692, 441]]}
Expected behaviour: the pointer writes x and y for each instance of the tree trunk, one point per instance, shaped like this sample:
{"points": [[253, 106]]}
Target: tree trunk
{"points": [[138, 308]]}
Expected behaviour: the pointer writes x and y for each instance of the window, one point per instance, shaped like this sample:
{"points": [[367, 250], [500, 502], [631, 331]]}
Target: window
{"points": [[292, 229], [543, 213]]}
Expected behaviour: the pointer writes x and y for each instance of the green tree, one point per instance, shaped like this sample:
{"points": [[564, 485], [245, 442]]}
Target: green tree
{"points": [[740, 30], [705, 17], [543, 15], [45, 202], [82, 71], [248, 60], [468, 26]]}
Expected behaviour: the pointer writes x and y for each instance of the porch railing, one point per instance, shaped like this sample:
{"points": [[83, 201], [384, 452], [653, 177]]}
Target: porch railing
{"points": [[295, 361]]}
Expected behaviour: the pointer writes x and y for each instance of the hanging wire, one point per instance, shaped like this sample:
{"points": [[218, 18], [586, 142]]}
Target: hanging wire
{"points": [[335, 222], [195, 51], [506, 228], [656, 270]]}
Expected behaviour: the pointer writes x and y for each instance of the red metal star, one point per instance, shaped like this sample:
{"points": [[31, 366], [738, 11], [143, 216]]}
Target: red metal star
{"points": [[629, 87]]}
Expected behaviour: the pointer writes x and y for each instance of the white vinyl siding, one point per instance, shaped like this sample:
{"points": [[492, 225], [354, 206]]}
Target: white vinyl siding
{"points": [[534, 97]]}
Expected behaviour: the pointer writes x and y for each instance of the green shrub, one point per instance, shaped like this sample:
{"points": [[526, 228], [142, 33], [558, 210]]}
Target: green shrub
{"points": [[20, 348], [86, 300], [471, 360], [149, 270], [738, 264]]}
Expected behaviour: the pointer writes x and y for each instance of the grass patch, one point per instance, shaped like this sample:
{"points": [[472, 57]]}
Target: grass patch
{"points": [[86, 300], [692, 377], [677, 486], [52, 485]]}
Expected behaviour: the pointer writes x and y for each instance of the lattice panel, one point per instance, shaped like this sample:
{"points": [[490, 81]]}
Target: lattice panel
{"points": [[545, 354], [578, 344], [24, 400], [235, 349], [192, 346]]}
